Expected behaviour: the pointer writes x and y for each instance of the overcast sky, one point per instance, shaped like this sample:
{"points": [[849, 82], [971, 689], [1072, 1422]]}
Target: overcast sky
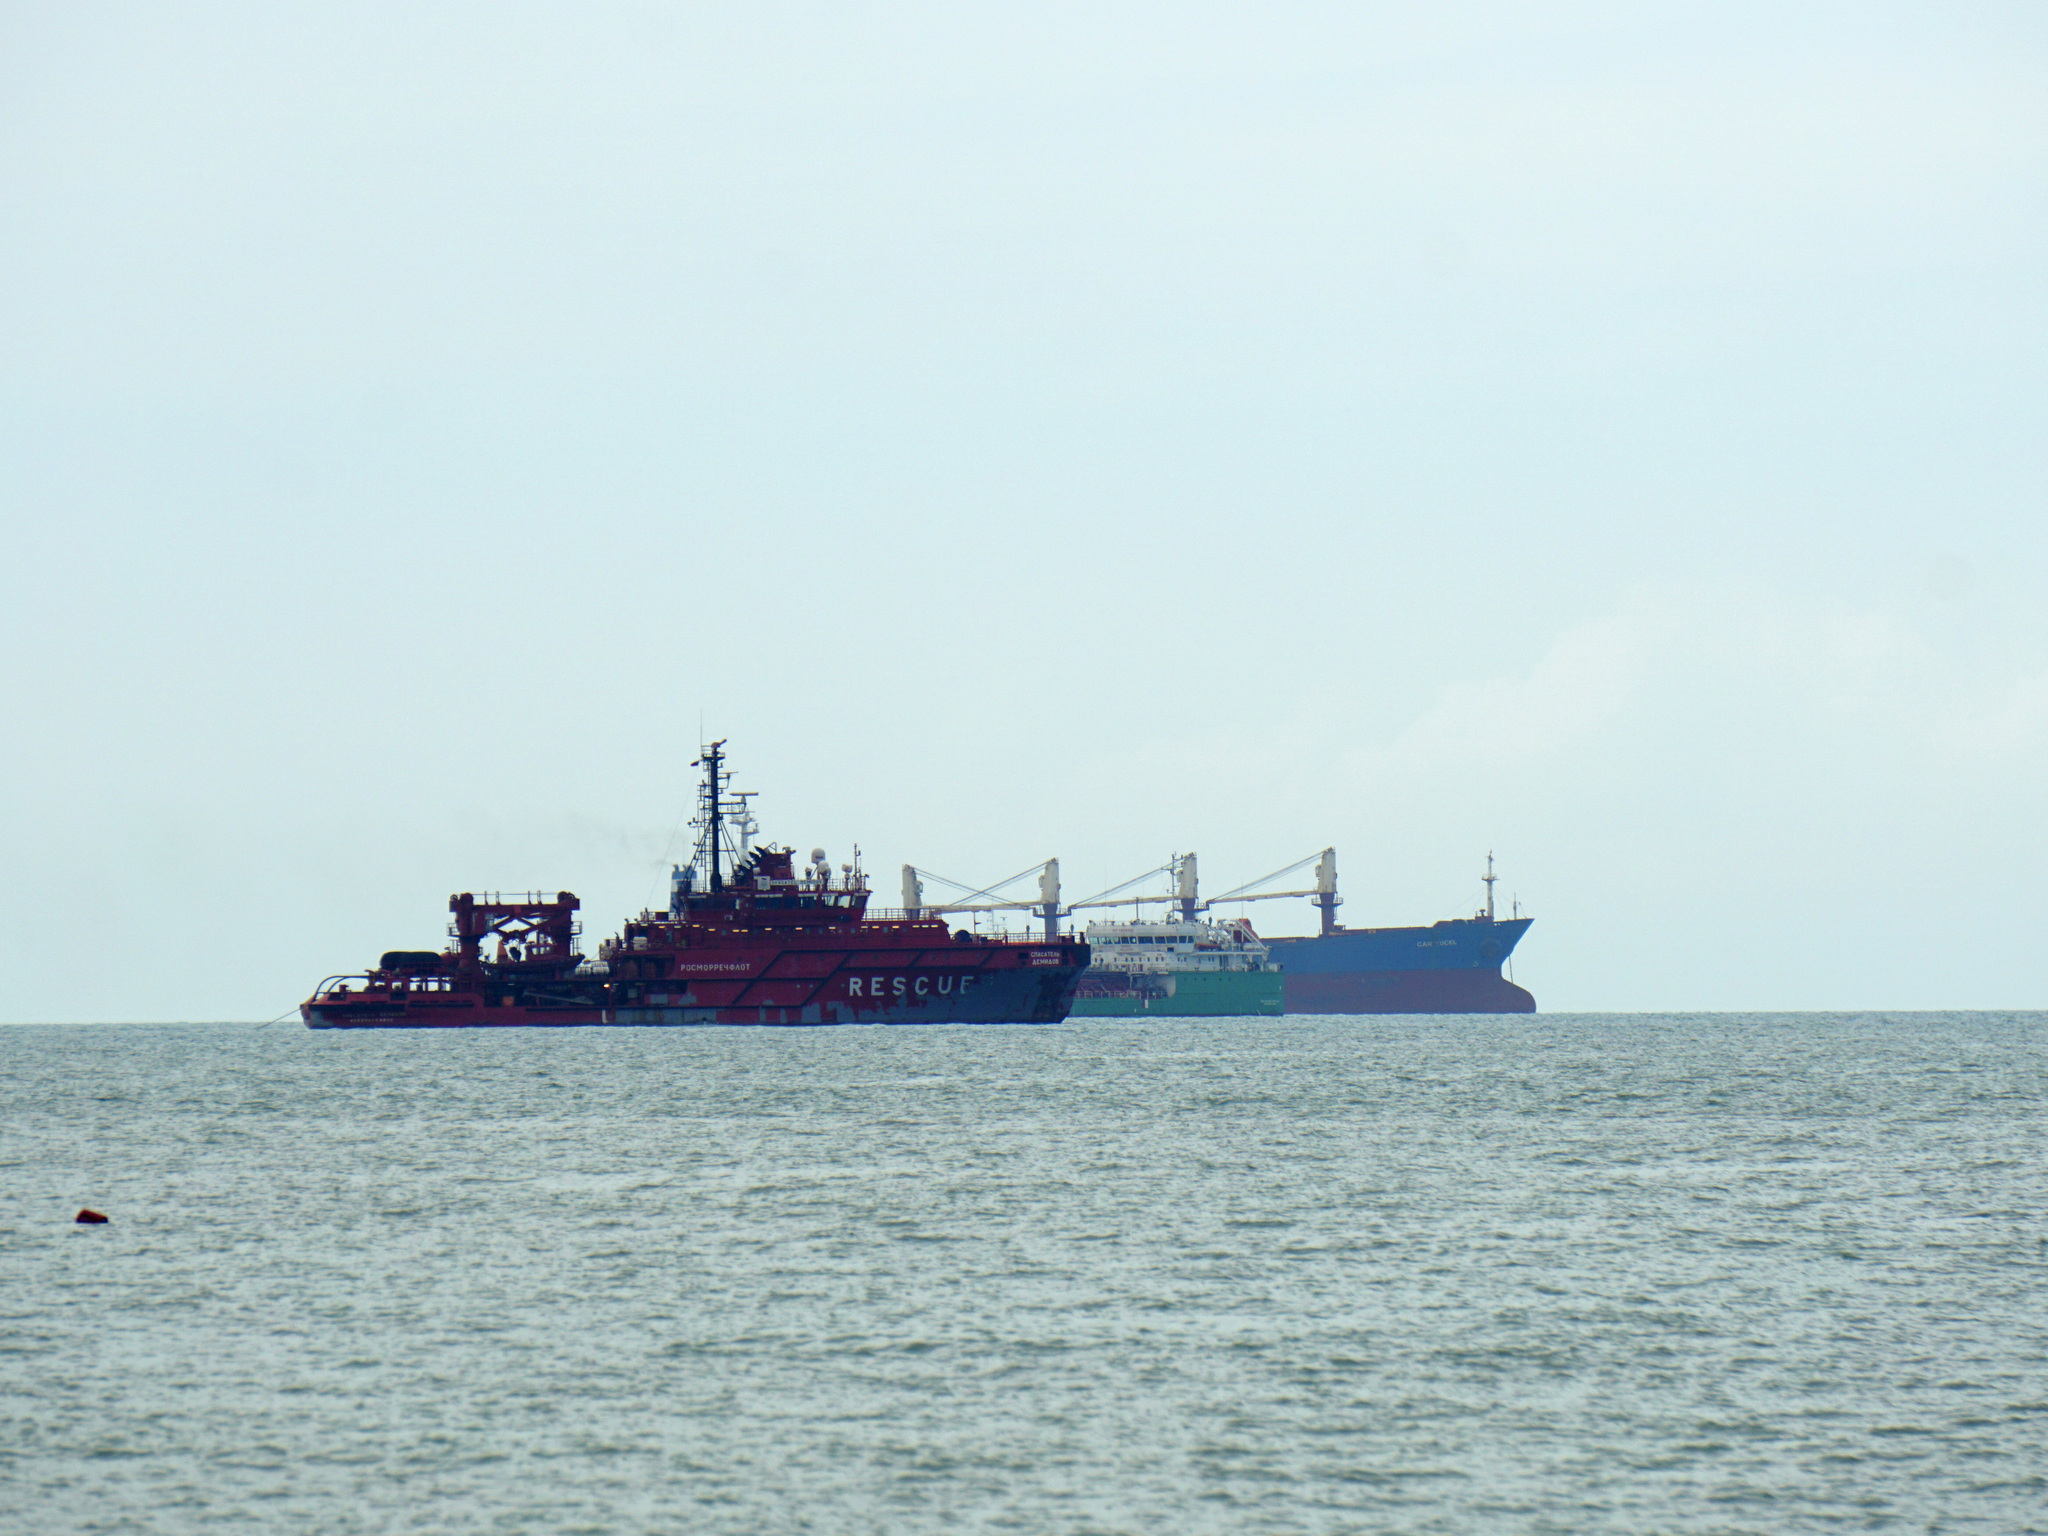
{"points": [[1609, 435]]}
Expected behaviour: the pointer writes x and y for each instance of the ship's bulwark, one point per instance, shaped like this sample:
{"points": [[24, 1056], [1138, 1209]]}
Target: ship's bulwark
{"points": [[1449, 967]]}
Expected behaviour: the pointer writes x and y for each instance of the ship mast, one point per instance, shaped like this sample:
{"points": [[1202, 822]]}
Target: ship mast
{"points": [[1490, 878], [711, 760]]}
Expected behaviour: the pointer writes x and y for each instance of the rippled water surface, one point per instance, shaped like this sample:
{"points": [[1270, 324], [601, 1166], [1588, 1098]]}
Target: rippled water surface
{"points": [[1547, 1273]]}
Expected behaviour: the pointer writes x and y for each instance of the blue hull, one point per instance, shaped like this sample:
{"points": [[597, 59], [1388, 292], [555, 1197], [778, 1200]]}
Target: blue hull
{"points": [[1449, 967]]}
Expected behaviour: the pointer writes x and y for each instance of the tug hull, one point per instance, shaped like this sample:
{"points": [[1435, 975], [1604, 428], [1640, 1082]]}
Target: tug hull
{"points": [[993, 994]]}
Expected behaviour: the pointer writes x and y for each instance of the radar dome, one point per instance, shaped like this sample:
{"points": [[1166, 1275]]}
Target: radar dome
{"points": [[817, 855]]}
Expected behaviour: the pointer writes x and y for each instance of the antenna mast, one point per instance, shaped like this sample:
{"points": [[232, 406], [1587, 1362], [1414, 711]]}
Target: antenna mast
{"points": [[711, 759]]}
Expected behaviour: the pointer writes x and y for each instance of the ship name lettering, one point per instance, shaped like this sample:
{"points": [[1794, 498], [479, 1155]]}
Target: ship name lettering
{"points": [[904, 986]]}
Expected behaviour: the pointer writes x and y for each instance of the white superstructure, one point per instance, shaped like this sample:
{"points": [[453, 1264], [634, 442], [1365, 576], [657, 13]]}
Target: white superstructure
{"points": [[1177, 946]]}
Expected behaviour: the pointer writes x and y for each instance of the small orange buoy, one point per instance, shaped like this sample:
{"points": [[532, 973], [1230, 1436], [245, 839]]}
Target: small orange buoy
{"points": [[91, 1217]]}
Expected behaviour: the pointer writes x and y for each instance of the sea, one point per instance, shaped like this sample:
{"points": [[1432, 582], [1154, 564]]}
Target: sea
{"points": [[1544, 1273]]}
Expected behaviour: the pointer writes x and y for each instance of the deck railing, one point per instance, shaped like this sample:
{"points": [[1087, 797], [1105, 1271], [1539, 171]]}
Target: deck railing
{"points": [[1032, 935]]}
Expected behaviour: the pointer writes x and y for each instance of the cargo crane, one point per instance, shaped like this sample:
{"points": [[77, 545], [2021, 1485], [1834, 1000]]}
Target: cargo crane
{"points": [[1180, 869], [1047, 907], [988, 898], [1323, 894]]}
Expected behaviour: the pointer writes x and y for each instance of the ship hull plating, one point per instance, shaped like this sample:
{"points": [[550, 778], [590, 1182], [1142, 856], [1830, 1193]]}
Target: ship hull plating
{"points": [[1476, 991], [1449, 967], [1041, 994], [1179, 994]]}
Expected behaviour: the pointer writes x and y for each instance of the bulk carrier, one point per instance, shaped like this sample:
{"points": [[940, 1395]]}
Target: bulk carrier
{"points": [[1199, 964], [1452, 966], [762, 944]]}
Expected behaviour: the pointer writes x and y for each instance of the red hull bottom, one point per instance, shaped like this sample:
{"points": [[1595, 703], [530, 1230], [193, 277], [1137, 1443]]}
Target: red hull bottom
{"points": [[1447, 991]]}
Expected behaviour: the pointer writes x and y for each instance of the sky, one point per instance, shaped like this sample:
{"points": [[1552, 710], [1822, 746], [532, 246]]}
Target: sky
{"points": [[1605, 436]]}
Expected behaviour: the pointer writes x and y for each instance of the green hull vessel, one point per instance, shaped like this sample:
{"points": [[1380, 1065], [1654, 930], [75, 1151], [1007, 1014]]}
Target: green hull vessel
{"points": [[1184, 968], [1177, 994]]}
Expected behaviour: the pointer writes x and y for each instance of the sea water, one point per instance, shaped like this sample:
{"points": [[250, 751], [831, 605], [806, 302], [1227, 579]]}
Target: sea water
{"points": [[1550, 1273]]}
